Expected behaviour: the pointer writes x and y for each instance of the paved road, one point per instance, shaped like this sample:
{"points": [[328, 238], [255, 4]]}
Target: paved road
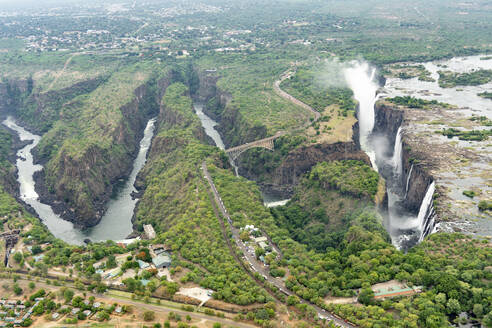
{"points": [[285, 95], [258, 266]]}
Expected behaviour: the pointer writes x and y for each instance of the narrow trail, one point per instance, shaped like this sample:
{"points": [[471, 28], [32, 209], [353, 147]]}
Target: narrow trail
{"points": [[59, 74], [294, 100]]}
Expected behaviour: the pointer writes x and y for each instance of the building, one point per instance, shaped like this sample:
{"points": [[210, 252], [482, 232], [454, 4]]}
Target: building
{"points": [[142, 264], [162, 261], [261, 239], [149, 231], [262, 244]]}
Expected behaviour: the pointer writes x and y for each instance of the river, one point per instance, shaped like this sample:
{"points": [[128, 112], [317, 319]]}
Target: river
{"points": [[115, 224], [269, 200]]}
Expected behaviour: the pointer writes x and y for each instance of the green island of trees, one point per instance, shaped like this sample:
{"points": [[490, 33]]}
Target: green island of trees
{"points": [[450, 79], [412, 102]]}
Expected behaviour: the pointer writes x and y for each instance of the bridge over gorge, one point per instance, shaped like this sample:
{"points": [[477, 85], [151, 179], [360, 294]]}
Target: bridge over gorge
{"points": [[267, 143]]}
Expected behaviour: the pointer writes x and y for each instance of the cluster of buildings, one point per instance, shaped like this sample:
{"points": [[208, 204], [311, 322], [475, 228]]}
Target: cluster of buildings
{"points": [[14, 312], [257, 239]]}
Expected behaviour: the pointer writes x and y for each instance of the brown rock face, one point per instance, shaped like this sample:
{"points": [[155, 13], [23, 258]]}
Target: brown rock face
{"points": [[87, 181], [300, 161], [387, 120]]}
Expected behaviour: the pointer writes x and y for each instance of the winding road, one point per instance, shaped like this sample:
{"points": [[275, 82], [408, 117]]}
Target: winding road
{"points": [[267, 143]]}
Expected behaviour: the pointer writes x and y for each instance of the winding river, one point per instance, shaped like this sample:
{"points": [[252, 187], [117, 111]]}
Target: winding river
{"points": [[115, 224]]}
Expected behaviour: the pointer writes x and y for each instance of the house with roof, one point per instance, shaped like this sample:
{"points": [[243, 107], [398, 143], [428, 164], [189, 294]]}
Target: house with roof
{"points": [[162, 260], [142, 264]]}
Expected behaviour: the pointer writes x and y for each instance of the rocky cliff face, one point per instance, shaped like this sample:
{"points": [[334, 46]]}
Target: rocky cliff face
{"points": [[87, 181], [387, 121], [300, 161], [10, 92], [233, 128]]}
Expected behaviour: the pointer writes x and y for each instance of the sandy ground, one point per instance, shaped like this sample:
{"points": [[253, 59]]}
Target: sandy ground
{"points": [[393, 284], [165, 272], [196, 292], [341, 300]]}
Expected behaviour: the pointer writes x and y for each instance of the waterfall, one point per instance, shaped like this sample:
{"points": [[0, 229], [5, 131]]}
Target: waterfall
{"points": [[408, 181], [397, 160], [403, 227], [426, 212], [360, 78]]}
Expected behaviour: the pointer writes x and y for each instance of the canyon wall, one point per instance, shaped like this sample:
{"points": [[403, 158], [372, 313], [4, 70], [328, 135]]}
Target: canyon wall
{"points": [[387, 121], [219, 106], [79, 187]]}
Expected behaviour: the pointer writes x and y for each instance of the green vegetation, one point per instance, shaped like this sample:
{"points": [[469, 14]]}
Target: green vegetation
{"points": [[255, 110], [486, 95], [482, 120], [177, 203], [485, 205], [450, 79], [412, 102], [409, 71], [469, 193], [349, 177], [361, 254], [262, 162], [312, 88], [474, 135], [99, 125]]}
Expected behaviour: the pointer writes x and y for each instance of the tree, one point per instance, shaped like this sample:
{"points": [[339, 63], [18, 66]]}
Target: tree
{"points": [[32, 285], [149, 315], [292, 300], [478, 310], [68, 295], [366, 296], [259, 252], [487, 320], [453, 306], [18, 257], [17, 289], [217, 325]]}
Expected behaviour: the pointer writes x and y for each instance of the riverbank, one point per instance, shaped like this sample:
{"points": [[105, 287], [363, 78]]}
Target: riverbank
{"points": [[116, 224]]}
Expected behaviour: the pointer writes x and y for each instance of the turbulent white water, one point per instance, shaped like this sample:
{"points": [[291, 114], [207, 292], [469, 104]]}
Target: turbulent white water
{"points": [[424, 211], [408, 180], [360, 78], [115, 224], [401, 227], [397, 159]]}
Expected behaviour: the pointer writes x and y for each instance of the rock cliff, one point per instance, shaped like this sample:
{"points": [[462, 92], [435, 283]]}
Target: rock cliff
{"points": [[388, 119], [79, 186]]}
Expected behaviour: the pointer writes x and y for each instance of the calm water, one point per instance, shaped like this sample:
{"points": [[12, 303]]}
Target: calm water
{"points": [[115, 224], [465, 97]]}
